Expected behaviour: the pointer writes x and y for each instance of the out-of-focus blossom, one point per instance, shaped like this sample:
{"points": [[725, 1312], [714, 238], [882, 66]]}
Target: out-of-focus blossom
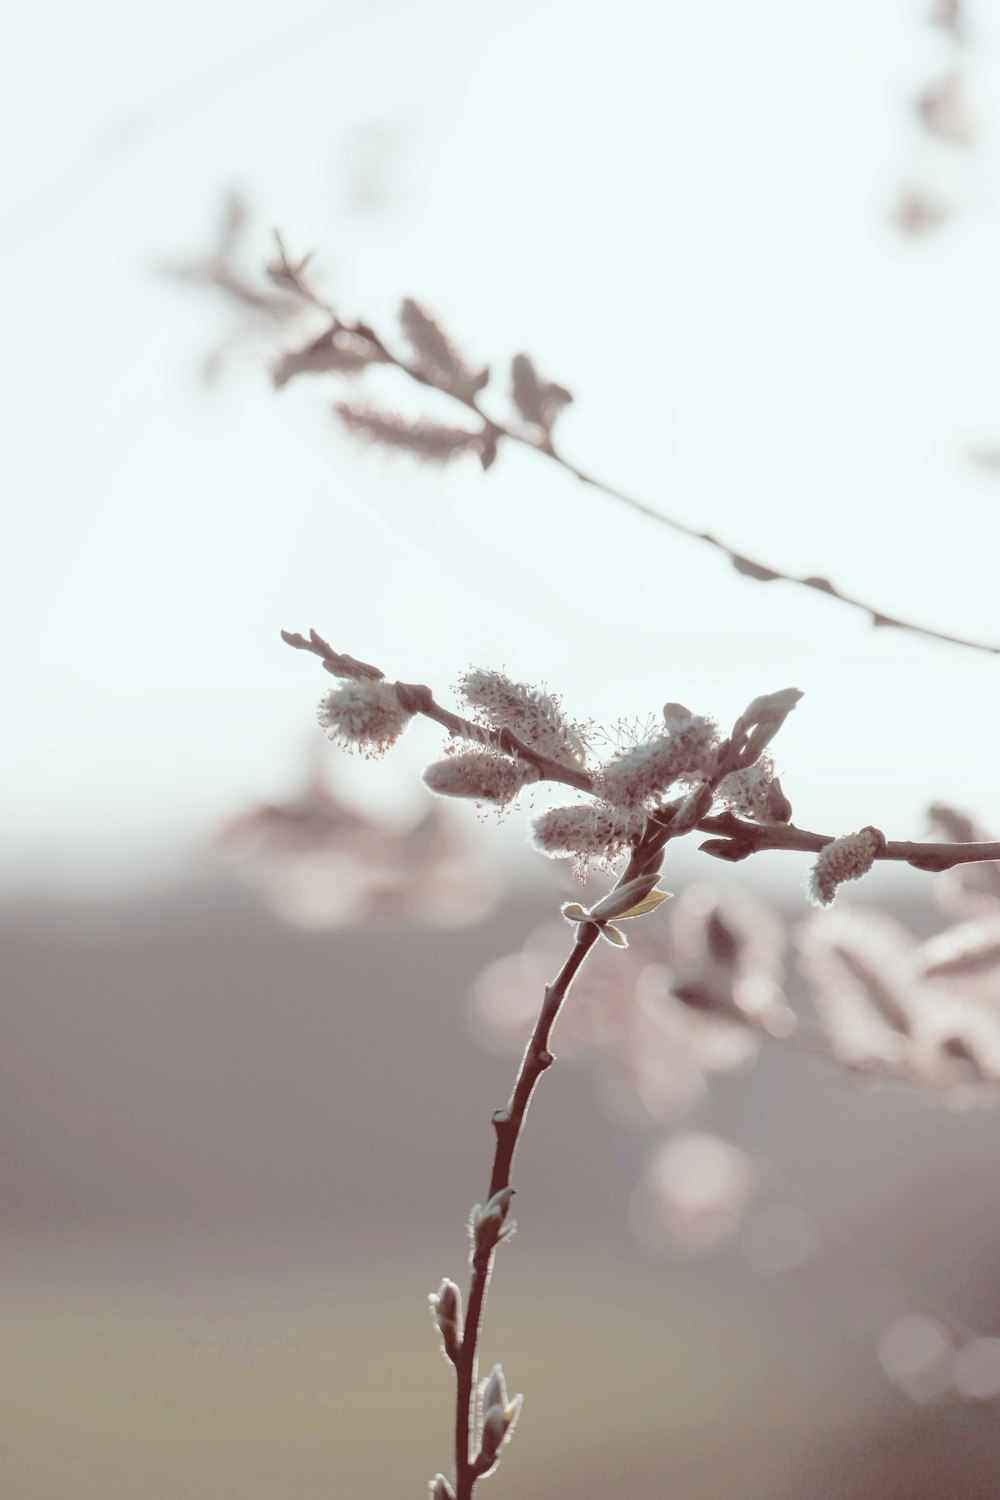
{"points": [[965, 959], [976, 1370], [539, 402], [780, 1237], [434, 442], [643, 1054], [437, 358], [948, 15], [693, 1194], [944, 108], [918, 212], [653, 1049], [985, 456], [319, 863], [886, 1000], [860, 967], [727, 960], [969, 889], [916, 1353]]}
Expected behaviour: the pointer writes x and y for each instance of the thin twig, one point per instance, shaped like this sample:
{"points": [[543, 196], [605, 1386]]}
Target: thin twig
{"points": [[493, 432], [508, 1124], [739, 839]]}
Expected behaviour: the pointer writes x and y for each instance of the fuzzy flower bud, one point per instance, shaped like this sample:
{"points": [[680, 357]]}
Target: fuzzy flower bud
{"points": [[535, 716], [440, 1489], [489, 1225], [633, 776], [761, 720], [364, 714], [585, 832], [483, 775], [426, 440], [446, 1309], [498, 1418], [436, 354], [846, 858]]}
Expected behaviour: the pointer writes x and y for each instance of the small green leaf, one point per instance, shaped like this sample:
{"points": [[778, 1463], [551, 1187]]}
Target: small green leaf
{"points": [[647, 904], [613, 936], [623, 898]]}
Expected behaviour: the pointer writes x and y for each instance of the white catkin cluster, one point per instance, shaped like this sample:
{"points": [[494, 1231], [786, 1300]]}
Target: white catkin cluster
{"points": [[846, 858], [482, 775], [754, 793], [584, 831], [635, 775], [364, 714], [535, 716]]}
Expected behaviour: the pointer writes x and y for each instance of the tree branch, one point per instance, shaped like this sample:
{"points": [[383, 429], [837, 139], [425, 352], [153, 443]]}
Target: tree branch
{"points": [[493, 432], [508, 1124], [737, 839], [734, 839]]}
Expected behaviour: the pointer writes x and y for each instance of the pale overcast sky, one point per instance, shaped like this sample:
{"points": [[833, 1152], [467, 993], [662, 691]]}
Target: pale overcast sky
{"points": [[683, 212]]}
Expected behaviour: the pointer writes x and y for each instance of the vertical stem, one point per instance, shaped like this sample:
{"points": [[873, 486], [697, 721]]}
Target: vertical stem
{"points": [[508, 1124]]}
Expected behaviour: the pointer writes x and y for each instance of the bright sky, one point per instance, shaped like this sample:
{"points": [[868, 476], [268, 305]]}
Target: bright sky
{"points": [[683, 215]]}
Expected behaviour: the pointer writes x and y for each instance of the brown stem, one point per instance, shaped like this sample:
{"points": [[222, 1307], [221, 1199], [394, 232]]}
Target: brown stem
{"points": [[736, 840], [508, 1124]]}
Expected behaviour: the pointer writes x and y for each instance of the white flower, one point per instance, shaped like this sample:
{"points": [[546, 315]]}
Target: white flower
{"points": [[535, 716], [585, 831], [636, 775], [365, 714]]}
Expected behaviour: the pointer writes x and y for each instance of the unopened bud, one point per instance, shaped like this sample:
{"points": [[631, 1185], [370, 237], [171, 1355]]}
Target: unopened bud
{"points": [[761, 720], [482, 775], [446, 1308], [771, 707], [778, 807], [489, 1224], [494, 1389], [498, 1417]]}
